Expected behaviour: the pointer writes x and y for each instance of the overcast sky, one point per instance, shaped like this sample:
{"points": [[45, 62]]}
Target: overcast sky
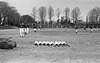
{"points": [[25, 6]]}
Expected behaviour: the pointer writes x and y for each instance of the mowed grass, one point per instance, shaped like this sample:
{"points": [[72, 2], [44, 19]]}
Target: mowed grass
{"points": [[84, 46]]}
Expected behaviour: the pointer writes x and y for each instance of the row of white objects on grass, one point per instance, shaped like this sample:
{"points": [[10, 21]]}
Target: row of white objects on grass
{"points": [[58, 43]]}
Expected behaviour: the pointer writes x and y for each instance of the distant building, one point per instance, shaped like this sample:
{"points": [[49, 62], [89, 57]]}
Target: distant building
{"points": [[80, 21]]}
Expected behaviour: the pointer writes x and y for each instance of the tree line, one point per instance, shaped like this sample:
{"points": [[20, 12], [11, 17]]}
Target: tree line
{"points": [[10, 16], [64, 20]]}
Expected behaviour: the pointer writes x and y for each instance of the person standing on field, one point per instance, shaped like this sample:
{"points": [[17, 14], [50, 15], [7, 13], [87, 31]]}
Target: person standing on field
{"points": [[35, 28], [66, 28], [27, 28], [85, 28], [91, 29], [21, 30], [76, 29]]}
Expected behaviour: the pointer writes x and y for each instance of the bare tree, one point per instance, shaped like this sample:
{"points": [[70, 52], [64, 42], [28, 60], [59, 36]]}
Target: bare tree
{"points": [[75, 14], [42, 14], [90, 16], [87, 19], [66, 12], [50, 14], [34, 13], [94, 15], [58, 12]]}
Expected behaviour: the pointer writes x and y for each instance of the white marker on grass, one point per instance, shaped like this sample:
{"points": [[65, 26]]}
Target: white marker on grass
{"points": [[36, 43], [40, 42], [51, 43]]}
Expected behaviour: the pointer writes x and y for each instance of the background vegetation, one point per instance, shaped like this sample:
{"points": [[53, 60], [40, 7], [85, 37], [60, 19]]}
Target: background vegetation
{"points": [[43, 17]]}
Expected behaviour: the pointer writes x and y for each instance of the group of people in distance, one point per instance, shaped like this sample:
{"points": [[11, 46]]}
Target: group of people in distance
{"points": [[24, 29], [91, 29]]}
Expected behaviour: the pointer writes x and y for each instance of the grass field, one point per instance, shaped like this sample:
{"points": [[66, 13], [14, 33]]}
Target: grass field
{"points": [[85, 47]]}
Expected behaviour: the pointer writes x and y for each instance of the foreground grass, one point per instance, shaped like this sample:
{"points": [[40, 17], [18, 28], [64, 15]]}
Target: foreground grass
{"points": [[85, 47]]}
